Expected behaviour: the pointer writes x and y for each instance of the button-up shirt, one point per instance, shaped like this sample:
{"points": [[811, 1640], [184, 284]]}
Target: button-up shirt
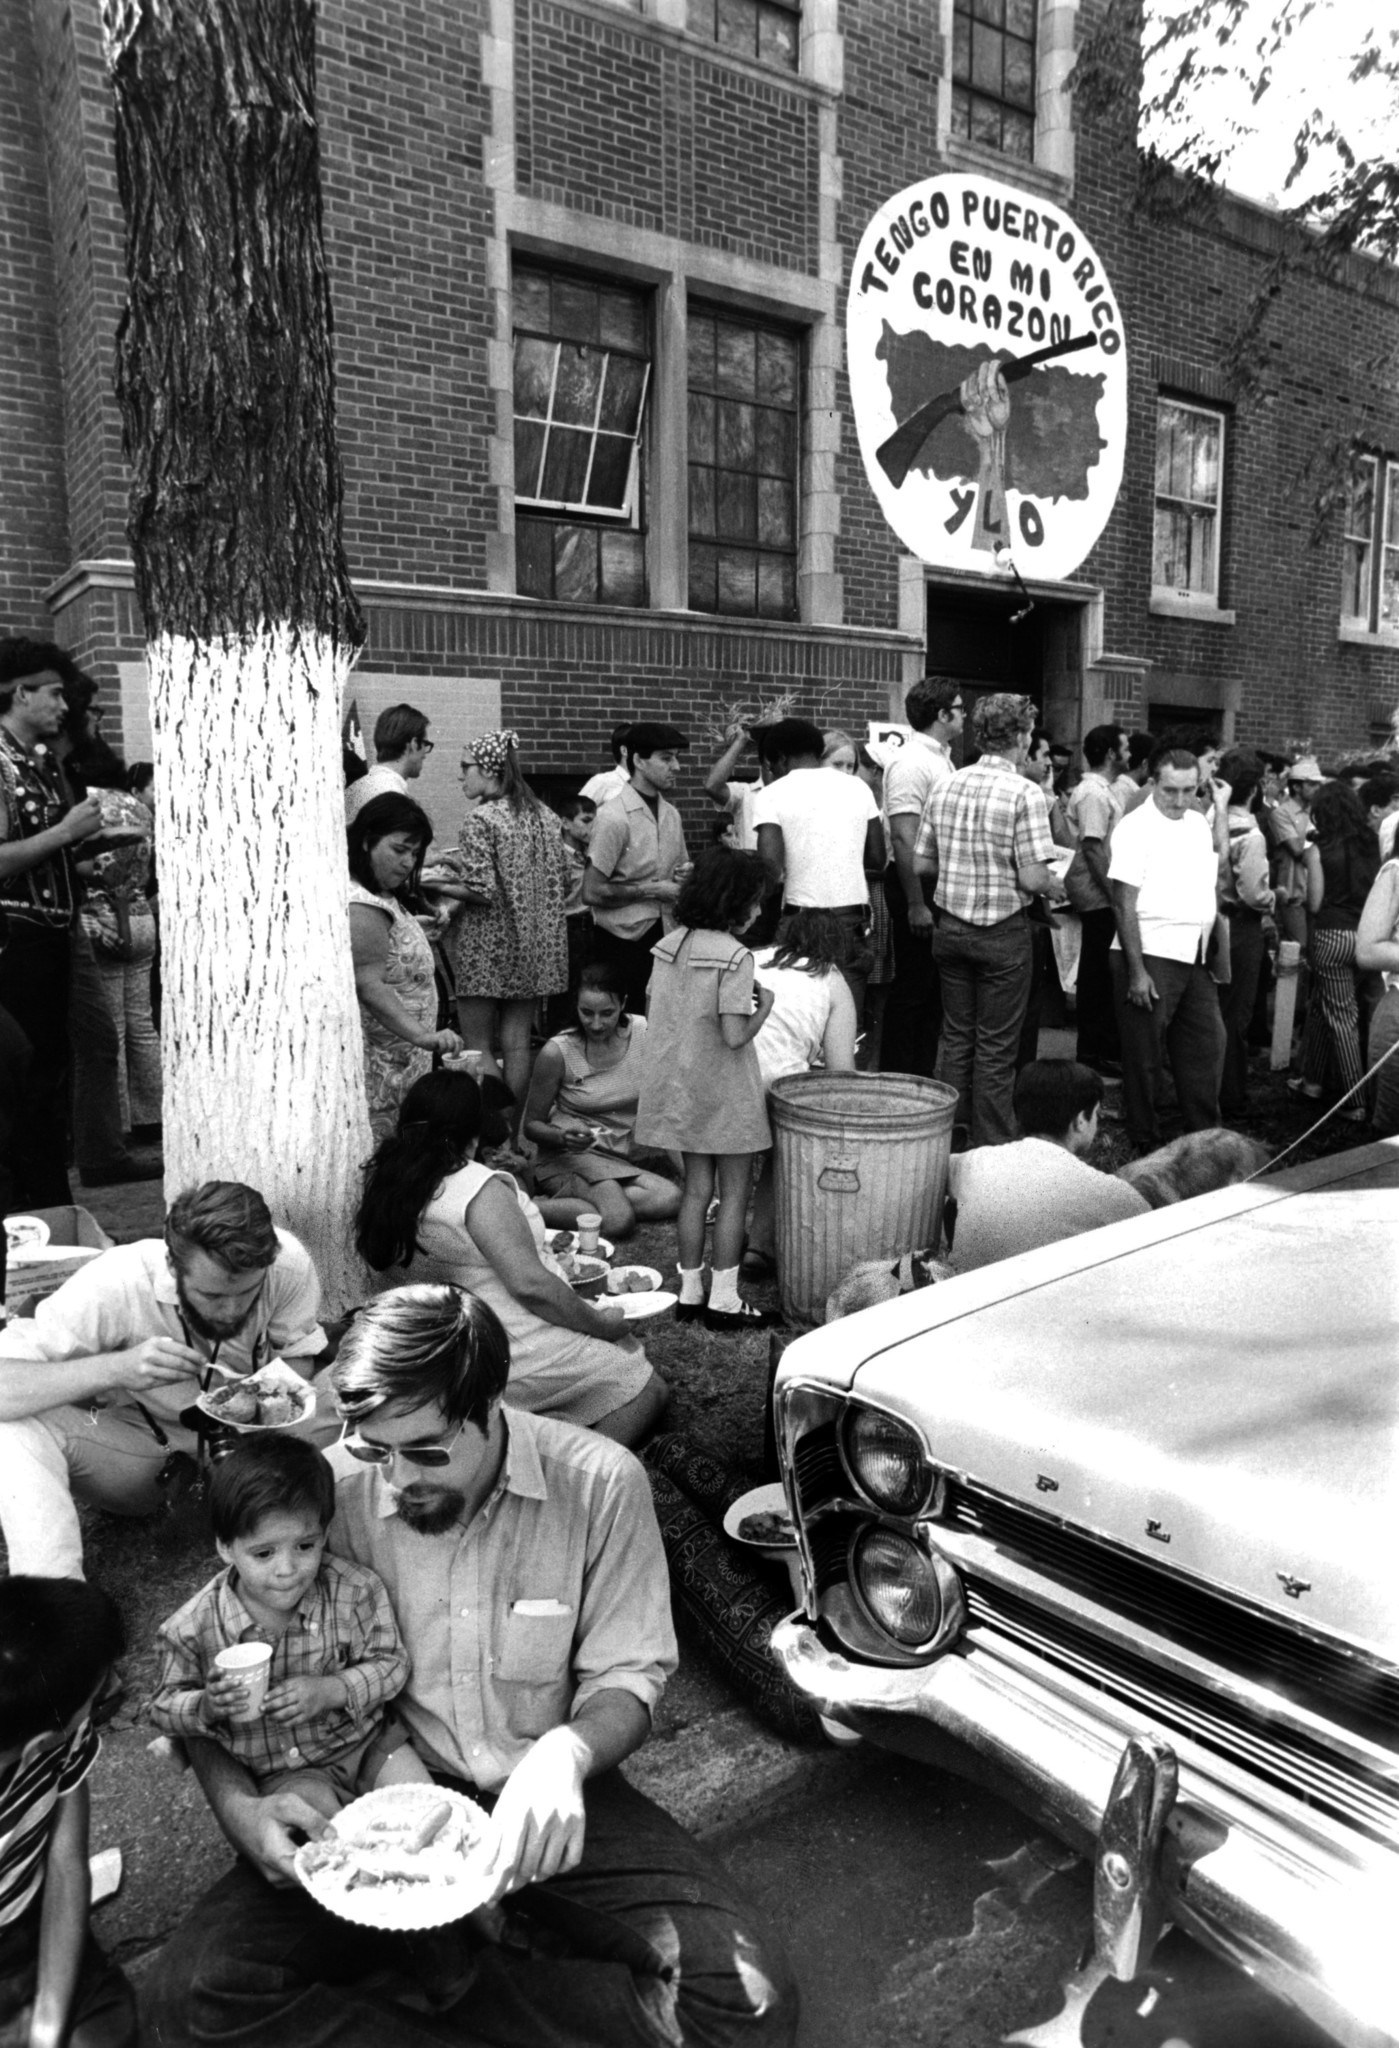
{"points": [[129, 1294], [982, 827], [343, 1628], [633, 843], [554, 1591]]}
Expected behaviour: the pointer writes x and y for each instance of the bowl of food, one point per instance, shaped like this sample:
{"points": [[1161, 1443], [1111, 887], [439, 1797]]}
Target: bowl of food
{"points": [[633, 1280], [274, 1398], [760, 1520], [584, 1275], [405, 1857]]}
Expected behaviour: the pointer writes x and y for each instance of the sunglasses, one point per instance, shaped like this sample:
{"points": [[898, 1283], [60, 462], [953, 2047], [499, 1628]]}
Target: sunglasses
{"points": [[382, 1454]]}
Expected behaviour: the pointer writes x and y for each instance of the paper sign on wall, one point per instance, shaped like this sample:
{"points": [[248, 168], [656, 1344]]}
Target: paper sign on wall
{"points": [[988, 372]]}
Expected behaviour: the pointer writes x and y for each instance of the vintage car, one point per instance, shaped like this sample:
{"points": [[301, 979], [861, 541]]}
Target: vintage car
{"points": [[1111, 1527]]}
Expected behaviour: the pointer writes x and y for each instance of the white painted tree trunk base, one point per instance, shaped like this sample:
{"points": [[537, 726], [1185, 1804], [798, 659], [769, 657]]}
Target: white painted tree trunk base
{"points": [[260, 1032]]}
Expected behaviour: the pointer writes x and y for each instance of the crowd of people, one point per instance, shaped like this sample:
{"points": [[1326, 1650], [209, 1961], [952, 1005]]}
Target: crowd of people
{"points": [[455, 1564]]}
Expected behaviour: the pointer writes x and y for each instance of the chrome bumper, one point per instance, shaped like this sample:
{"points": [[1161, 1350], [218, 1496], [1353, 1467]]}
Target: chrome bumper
{"points": [[1304, 1906]]}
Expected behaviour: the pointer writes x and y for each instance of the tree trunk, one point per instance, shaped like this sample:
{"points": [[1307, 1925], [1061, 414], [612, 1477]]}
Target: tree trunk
{"points": [[226, 384]]}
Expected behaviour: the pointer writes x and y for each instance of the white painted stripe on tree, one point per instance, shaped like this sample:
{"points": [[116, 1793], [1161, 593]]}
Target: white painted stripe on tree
{"points": [[264, 1069]]}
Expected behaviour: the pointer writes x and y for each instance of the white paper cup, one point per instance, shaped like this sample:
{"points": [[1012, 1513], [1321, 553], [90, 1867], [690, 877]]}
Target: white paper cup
{"points": [[250, 1662], [588, 1227]]}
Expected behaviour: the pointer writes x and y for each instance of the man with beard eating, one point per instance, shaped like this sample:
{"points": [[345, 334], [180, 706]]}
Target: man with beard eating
{"points": [[97, 1392], [526, 1573]]}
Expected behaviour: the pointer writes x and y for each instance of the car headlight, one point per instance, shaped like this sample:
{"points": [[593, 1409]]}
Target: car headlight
{"points": [[914, 1596], [886, 1461]]}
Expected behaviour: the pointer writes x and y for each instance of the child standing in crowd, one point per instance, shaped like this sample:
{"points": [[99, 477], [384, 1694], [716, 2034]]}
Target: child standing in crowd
{"points": [[59, 1639], [336, 1655], [701, 1086], [577, 816]]}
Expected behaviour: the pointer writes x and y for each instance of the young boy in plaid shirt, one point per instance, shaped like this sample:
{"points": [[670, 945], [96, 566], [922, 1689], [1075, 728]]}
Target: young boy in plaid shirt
{"points": [[337, 1658]]}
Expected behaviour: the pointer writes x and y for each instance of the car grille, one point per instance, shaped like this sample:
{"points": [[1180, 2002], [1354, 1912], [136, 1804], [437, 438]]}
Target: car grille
{"points": [[1281, 1756], [1321, 1676]]}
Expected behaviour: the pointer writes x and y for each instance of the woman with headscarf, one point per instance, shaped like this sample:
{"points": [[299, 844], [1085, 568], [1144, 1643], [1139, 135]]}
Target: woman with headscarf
{"points": [[510, 875]]}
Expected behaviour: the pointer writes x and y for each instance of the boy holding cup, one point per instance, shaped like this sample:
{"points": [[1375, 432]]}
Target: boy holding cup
{"points": [[288, 1657]]}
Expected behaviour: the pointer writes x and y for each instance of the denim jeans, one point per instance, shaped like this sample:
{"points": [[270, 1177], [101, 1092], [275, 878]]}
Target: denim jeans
{"points": [[1097, 1011], [984, 971], [1236, 1001], [98, 1139], [1184, 1026], [647, 1944]]}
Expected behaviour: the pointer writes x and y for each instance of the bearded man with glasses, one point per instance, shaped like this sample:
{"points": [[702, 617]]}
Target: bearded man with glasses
{"points": [[526, 1573]]}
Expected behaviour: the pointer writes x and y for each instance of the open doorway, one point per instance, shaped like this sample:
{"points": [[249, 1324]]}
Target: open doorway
{"points": [[985, 640]]}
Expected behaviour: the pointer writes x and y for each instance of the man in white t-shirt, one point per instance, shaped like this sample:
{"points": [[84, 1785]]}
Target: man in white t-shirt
{"points": [[401, 748], [820, 832], [1163, 870], [913, 1006], [1040, 1188]]}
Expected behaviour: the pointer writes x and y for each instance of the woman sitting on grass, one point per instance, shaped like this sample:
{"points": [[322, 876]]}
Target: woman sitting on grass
{"points": [[581, 1112]]}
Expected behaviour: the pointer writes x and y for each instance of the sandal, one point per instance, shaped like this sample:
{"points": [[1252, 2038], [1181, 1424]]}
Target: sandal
{"points": [[744, 1317]]}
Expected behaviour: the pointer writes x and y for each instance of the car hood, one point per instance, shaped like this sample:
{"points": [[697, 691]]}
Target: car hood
{"points": [[1217, 1390]]}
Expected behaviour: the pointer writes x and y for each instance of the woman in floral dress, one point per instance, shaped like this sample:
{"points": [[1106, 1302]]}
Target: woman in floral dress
{"points": [[510, 875], [394, 977]]}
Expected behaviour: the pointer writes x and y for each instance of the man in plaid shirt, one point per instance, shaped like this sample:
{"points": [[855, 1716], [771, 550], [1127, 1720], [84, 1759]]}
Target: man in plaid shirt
{"points": [[985, 837]]}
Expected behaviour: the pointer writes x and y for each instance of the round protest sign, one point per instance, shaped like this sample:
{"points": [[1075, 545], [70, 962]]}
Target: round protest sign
{"points": [[988, 372]]}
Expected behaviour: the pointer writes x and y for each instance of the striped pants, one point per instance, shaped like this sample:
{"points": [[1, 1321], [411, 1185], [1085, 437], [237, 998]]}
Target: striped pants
{"points": [[1332, 1031]]}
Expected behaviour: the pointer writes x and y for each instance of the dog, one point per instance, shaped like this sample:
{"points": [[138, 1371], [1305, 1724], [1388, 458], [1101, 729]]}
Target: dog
{"points": [[1194, 1165], [875, 1280]]}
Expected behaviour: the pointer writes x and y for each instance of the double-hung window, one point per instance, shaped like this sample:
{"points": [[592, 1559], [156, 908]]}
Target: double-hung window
{"points": [[1189, 502], [1370, 560], [582, 367], [744, 400], [767, 30], [993, 74]]}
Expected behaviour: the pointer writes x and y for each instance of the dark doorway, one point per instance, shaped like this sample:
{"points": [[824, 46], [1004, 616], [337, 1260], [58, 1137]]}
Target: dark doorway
{"points": [[975, 638]]}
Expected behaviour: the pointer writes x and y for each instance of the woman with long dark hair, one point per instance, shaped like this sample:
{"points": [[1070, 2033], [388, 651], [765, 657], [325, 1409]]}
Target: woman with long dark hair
{"points": [[510, 875], [433, 1211], [394, 977], [581, 1111], [1341, 868]]}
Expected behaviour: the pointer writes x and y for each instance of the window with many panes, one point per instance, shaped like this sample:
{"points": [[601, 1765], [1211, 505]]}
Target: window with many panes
{"points": [[744, 393], [1370, 564], [765, 29], [582, 370], [1189, 500], [993, 74]]}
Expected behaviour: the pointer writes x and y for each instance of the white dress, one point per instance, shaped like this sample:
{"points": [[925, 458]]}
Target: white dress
{"points": [[794, 1029]]}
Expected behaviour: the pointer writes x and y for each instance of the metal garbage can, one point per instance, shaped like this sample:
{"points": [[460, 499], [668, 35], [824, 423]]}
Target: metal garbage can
{"points": [[861, 1171]]}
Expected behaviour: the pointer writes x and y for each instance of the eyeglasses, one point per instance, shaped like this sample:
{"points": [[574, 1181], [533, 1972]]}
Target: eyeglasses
{"points": [[383, 1454], [427, 745]]}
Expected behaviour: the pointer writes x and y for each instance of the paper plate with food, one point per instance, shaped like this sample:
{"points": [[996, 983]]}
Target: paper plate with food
{"points": [[654, 1302], [274, 1397], [406, 1857], [760, 1519], [633, 1280]]}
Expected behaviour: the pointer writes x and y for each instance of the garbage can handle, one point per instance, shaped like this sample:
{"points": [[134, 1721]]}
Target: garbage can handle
{"points": [[840, 1175]]}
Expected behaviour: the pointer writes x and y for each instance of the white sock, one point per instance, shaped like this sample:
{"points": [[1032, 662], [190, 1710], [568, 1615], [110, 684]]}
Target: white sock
{"points": [[723, 1290], [691, 1286]]}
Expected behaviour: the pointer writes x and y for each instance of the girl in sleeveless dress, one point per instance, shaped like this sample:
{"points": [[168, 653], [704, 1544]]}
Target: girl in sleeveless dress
{"points": [[701, 1089], [581, 1112], [431, 1211]]}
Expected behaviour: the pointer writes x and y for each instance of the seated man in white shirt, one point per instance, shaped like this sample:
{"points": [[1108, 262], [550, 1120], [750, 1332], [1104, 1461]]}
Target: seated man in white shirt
{"points": [[526, 1573], [97, 1391], [820, 832], [1038, 1189]]}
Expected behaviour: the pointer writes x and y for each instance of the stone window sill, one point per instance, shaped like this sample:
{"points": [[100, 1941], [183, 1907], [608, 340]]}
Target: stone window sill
{"points": [[1354, 635], [1170, 604]]}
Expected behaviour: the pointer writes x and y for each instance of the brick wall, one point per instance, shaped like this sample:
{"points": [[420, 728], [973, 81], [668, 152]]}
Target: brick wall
{"points": [[33, 505]]}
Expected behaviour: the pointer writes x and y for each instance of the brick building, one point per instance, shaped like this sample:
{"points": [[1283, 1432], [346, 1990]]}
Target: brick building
{"points": [[589, 263]]}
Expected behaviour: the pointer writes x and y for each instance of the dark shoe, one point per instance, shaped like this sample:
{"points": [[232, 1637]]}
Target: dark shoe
{"points": [[689, 1311], [118, 1171], [756, 1265], [744, 1317]]}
